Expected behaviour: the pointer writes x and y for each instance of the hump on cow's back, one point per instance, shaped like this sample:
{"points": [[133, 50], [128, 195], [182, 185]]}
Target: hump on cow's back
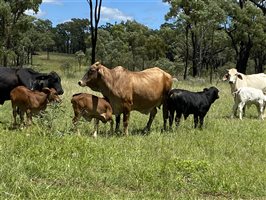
{"points": [[119, 68]]}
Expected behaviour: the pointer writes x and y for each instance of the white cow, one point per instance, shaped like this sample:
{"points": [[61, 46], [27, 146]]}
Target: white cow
{"points": [[248, 95], [238, 80]]}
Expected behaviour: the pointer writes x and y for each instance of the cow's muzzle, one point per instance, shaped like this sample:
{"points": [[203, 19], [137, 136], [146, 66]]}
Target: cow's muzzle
{"points": [[81, 83]]}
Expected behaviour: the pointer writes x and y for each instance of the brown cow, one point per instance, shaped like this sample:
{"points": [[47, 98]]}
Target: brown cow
{"points": [[90, 106], [31, 102], [142, 91]]}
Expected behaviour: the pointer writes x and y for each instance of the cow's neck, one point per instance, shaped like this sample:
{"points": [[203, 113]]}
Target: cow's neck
{"points": [[107, 83], [42, 100]]}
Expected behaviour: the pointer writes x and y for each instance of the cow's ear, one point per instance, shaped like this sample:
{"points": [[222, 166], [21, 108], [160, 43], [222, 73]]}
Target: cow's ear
{"points": [[46, 90], [101, 71], [239, 76], [225, 77], [205, 89]]}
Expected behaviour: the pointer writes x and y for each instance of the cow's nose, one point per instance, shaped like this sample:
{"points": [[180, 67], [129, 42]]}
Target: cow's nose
{"points": [[231, 82], [79, 83]]}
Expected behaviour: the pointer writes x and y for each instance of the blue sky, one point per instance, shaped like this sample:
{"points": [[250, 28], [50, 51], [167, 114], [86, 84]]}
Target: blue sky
{"points": [[148, 12]]}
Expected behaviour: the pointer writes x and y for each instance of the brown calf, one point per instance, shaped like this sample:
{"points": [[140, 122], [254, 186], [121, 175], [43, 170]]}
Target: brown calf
{"points": [[30, 101], [89, 106]]}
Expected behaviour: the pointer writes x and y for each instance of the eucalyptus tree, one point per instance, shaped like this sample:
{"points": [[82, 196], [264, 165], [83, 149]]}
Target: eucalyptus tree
{"points": [[95, 14], [13, 23], [245, 27], [199, 19]]}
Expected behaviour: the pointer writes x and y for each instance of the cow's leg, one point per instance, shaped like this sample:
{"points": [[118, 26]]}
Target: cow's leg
{"points": [[126, 116], [117, 122], [75, 121], [234, 109], [151, 118], [76, 118], [177, 118], [165, 113], [29, 117], [195, 120], [171, 117], [111, 126], [241, 105], [14, 115], [260, 110], [201, 117], [96, 127]]}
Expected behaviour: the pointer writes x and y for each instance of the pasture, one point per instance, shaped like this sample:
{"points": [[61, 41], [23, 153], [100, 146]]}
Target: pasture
{"points": [[224, 160]]}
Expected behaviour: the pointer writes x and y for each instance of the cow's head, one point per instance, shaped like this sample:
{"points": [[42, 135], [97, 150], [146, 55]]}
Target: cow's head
{"points": [[92, 76], [51, 80], [52, 94], [232, 75], [212, 93]]}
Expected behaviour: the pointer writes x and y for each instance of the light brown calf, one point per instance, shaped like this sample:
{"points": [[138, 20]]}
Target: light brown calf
{"points": [[89, 106], [30, 102]]}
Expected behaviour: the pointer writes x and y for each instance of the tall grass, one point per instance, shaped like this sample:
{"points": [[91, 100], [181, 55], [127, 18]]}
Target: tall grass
{"points": [[224, 160]]}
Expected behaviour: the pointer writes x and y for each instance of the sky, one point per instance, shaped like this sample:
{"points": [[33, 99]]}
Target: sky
{"points": [[147, 12]]}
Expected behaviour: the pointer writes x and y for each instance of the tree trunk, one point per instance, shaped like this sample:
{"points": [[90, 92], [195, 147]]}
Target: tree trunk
{"points": [[194, 55], [243, 56], [186, 59]]}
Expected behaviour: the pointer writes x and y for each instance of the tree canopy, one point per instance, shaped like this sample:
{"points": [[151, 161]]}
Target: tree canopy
{"points": [[197, 38]]}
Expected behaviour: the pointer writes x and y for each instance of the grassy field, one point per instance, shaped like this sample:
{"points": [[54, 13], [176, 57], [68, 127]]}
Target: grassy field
{"points": [[225, 160]]}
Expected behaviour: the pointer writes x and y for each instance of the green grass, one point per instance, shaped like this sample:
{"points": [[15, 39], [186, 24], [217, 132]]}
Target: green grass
{"points": [[225, 160]]}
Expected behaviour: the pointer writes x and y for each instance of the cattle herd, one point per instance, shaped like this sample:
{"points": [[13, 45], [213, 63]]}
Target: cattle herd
{"points": [[124, 91]]}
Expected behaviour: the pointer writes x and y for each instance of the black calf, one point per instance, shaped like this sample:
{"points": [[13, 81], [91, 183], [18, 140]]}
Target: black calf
{"points": [[186, 103]]}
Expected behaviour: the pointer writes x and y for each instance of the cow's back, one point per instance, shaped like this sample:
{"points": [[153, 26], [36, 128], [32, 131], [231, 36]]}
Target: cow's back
{"points": [[90, 103], [257, 81], [149, 88]]}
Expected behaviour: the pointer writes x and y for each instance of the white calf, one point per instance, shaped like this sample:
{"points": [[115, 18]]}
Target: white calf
{"points": [[249, 95]]}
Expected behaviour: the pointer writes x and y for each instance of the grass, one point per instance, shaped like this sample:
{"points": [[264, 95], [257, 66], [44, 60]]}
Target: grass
{"points": [[225, 160]]}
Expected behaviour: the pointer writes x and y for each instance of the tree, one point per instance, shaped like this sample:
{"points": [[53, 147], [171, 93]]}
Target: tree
{"points": [[12, 24], [94, 22], [80, 55], [197, 19], [245, 24]]}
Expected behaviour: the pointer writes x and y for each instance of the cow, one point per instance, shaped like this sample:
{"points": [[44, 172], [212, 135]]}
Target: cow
{"points": [[248, 95], [185, 102], [13, 77], [126, 90], [30, 101], [90, 106], [237, 80]]}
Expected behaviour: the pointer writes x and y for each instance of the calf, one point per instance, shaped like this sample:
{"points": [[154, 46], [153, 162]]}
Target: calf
{"points": [[30, 101], [238, 80], [186, 103], [249, 95], [89, 106]]}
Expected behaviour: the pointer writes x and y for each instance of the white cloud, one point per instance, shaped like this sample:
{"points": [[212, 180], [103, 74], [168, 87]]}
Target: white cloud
{"points": [[109, 14], [39, 14], [52, 1]]}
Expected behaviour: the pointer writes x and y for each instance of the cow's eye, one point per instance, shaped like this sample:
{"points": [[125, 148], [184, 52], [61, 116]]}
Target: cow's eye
{"points": [[91, 71]]}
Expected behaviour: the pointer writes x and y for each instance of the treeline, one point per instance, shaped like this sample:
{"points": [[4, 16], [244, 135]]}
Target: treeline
{"points": [[198, 37]]}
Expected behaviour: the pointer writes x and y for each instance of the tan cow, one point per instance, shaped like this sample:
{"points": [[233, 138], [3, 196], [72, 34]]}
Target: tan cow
{"points": [[31, 102], [89, 106], [238, 80], [142, 91]]}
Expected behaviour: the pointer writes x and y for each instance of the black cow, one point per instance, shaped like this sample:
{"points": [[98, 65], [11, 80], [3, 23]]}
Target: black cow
{"points": [[186, 103], [13, 77]]}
